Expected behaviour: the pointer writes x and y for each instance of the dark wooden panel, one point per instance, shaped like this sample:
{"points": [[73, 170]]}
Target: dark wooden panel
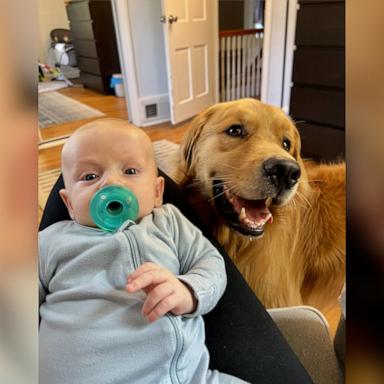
{"points": [[97, 83], [322, 106], [81, 30], [102, 16], [319, 66], [85, 48], [321, 24], [78, 11], [95, 42], [321, 142], [105, 36], [89, 65]]}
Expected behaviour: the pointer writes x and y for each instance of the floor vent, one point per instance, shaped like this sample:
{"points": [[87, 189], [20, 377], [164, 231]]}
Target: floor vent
{"points": [[151, 110]]}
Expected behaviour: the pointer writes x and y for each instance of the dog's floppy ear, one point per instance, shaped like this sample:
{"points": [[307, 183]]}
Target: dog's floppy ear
{"points": [[188, 144]]}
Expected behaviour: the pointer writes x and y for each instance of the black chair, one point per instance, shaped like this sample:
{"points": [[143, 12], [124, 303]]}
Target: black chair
{"points": [[241, 337]]}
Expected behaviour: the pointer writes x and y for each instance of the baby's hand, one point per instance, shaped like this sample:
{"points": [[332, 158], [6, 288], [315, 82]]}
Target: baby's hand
{"points": [[165, 292]]}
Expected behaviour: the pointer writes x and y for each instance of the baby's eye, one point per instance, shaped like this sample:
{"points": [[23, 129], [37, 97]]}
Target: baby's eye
{"points": [[131, 171], [90, 176]]}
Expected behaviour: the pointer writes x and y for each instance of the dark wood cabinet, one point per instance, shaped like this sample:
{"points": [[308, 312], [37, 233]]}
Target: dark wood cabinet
{"points": [[318, 92], [94, 41]]}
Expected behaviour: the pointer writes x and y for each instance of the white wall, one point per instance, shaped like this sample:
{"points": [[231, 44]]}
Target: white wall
{"points": [[51, 14], [148, 46]]}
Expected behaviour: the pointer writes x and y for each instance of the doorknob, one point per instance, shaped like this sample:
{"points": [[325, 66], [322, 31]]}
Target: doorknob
{"points": [[172, 19], [163, 19]]}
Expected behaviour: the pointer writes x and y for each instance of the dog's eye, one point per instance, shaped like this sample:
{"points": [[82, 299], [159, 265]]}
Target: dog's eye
{"points": [[235, 131], [286, 144]]}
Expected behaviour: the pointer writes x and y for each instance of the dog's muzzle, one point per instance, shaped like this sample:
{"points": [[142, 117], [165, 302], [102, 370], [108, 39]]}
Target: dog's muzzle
{"points": [[249, 217], [282, 174], [246, 216]]}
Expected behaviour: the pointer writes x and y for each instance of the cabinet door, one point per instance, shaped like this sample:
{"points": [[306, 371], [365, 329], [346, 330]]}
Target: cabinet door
{"points": [[318, 92]]}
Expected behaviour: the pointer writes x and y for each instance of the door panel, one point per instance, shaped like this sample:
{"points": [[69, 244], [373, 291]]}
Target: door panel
{"points": [[200, 60], [198, 10], [182, 61], [190, 49], [177, 7]]}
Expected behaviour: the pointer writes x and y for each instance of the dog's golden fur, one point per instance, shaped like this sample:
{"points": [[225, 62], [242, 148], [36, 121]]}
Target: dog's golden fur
{"points": [[301, 256]]}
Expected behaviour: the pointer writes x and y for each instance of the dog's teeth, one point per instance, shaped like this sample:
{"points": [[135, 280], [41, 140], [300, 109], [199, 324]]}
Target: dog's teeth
{"points": [[242, 214], [268, 202]]}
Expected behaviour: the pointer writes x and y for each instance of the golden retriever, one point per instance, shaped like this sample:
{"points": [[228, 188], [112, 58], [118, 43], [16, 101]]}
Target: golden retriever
{"points": [[281, 220]]}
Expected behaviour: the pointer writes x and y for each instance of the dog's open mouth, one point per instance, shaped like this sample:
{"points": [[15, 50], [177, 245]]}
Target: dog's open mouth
{"points": [[246, 216]]}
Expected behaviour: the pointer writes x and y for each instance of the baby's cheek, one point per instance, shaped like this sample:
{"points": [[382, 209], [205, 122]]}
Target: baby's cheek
{"points": [[82, 214], [145, 208]]}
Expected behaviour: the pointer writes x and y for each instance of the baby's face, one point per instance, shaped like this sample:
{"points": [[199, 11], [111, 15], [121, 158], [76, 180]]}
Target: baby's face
{"points": [[109, 155]]}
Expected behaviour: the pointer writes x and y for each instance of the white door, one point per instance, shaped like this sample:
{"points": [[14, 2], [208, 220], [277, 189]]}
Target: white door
{"points": [[191, 34]]}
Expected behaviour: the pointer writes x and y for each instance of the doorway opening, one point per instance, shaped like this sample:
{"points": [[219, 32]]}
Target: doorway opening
{"points": [[241, 37]]}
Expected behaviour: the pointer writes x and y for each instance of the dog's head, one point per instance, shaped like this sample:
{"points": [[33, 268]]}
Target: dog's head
{"points": [[243, 157]]}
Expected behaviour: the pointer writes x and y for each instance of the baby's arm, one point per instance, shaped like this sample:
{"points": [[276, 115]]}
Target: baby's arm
{"points": [[165, 292], [201, 280], [201, 265]]}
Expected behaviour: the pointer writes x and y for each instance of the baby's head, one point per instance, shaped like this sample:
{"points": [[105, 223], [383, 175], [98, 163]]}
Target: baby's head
{"points": [[109, 152]]}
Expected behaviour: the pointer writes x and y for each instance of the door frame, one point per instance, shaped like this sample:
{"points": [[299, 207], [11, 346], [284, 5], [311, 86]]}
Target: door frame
{"points": [[279, 37], [278, 50], [120, 10]]}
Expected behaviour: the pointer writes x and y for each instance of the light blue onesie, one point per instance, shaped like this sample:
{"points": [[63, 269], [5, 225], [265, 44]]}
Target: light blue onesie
{"points": [[92, 330]]}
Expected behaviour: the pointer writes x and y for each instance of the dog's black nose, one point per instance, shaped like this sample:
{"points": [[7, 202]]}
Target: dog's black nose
{"points": [[283, 173]]}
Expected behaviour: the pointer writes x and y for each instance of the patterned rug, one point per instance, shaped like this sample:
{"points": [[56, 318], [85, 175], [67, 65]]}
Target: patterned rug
{"points": [[55, 108], [165, 154]]}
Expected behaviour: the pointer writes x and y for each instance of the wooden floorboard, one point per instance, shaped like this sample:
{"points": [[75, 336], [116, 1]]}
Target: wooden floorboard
{"points": [[112, 106]]}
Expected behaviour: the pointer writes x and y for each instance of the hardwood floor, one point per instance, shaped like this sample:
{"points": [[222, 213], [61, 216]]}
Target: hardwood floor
{"points": [[49, 158], [112, 106]]}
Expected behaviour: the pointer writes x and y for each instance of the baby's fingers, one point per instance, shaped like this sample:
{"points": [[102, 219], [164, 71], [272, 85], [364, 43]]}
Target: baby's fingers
{"points": [[146, 267], [151, 277], [155, 296], [164, 306]]}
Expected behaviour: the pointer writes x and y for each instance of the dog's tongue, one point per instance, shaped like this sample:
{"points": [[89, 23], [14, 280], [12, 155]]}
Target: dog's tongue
{"points": [[251, 212]]}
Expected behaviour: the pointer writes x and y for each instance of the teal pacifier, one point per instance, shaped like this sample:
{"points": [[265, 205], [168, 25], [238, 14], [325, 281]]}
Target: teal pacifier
{"points": [[112, 206]]}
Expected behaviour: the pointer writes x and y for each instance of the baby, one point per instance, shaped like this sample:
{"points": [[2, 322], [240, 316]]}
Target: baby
{"points": [[124, 306]]}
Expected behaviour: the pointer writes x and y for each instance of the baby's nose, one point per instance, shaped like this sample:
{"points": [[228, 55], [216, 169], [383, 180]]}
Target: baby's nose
{"points": [[110, 179]]}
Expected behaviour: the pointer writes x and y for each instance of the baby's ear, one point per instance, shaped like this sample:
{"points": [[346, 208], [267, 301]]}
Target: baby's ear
{"points": [[159, 191], [64, 196]]}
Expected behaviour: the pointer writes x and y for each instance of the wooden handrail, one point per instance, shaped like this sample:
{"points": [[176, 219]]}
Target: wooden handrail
{"points": [[240, 32]]}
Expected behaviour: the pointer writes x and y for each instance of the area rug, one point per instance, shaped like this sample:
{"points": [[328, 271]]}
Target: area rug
{"points": [[55, 108], [165, 154], [46, 181], [49, 86]]}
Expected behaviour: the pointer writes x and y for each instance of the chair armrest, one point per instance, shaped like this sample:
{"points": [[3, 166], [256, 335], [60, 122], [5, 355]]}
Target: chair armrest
{"points": [[307, 332]]}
